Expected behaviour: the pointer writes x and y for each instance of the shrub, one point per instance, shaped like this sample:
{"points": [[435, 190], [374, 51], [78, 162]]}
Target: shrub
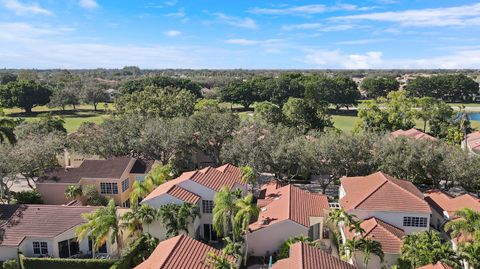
{"points": [[137, 252], [9, 264], [28, 197], [55, 263]]}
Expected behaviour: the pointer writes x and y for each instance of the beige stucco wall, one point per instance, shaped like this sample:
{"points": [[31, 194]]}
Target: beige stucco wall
{"points": [[53, 193], [374, 262]]}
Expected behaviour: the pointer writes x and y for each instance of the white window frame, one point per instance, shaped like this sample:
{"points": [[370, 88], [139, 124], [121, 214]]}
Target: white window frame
{"points": [[410, 221], [125, 185], [207, 206], [41, 246], [109, 188]]}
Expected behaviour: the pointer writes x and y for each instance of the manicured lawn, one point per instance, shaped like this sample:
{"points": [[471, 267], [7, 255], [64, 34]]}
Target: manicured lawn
{"points": [[73, 118], [344, 122]]}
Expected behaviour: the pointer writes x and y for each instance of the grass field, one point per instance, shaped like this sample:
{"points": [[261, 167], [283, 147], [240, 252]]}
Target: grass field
{"points": [[85, 113], [73, 118]]}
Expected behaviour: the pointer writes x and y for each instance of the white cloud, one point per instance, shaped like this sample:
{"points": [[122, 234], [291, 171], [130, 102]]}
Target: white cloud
{"points": [[467, 15], [318, 27], [337, 59], [88, 4], [236, 21], [179, 14], [362, 41], [25, 9], [306, 10], [173, 33], [247, 42]]}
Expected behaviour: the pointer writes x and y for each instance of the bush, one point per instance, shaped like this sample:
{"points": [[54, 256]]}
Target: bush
{"points": [[137, 253], [55, 263], [28, 197], [9, 264]]}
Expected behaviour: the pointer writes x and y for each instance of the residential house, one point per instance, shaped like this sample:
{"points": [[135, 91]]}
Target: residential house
{"points": [[44, 231], [181, 252], [389, 236], [394, 201], [196, 187], [112, 177], [444, 206], [304, 256], [389, 208], [286, 211], [412, 133], [472, 142]]}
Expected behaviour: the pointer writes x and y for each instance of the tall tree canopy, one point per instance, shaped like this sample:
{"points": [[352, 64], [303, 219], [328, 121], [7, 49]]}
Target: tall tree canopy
{"points": [[24, 94]]}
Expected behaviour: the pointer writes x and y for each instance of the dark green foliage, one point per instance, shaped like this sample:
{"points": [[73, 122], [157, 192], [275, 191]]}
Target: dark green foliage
{"points": [[9, 264], [304, 115], [56, 263], [7, 77], [376, 87], [160, 82], [28, 197], [453, 88], [157, 102], [138, 251], [24, 94], [340, 91], [268, 112], [240, 93]]}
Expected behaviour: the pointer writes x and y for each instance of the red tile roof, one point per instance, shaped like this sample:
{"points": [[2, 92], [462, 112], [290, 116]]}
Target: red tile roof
{"points": [[412, 133], [382, 192], [303, 256], [179, 252], [438, 265], [212, 178], [183, 194], [40, 221], [289, 202], [442, 201], [386, 234], [473, 141]]}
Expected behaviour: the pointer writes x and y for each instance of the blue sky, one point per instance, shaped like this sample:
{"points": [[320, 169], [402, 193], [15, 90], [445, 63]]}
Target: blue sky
{"points": [[248, 34]]}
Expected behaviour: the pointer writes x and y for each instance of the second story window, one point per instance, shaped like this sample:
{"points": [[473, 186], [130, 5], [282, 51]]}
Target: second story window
{"points": [[414, 222], [207, 206], [125, 185], [108, 188]]}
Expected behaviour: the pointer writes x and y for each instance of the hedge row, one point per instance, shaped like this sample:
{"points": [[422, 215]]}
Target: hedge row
{"points": [[55, 263]]}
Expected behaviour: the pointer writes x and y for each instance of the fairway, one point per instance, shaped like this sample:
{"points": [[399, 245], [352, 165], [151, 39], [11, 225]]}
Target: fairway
{"points": [[73, 118]]}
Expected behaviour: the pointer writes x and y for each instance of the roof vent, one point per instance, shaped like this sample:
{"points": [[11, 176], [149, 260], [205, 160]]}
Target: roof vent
{"points": [[263, 209]]}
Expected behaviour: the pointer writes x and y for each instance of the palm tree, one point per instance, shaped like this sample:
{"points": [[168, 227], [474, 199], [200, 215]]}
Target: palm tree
{"points": [[157, 176], [368, 247], [219, 261], [247, 210], [100, 225], [337, 216], [427, 247], [284, 250], [6, 131], [467, 224], [249, 176], [177, 217], [73, 191], [147, 214], [133, 220], [223, 219], [232, 248], [470, 252]]}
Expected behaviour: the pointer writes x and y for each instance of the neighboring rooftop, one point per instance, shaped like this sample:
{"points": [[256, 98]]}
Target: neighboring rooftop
{"points": [[179, 252], [386, 234], [304, 256], [412, 133], [288, 202], [382, 192], [444, 202], [438, 265], [109, 168], [473, 141], [212, 178], [39, 221]]}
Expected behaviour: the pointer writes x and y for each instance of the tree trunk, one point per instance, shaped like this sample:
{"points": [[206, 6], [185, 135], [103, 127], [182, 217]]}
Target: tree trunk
{"points": [[425, 126], [28, 109], [95, 106]]}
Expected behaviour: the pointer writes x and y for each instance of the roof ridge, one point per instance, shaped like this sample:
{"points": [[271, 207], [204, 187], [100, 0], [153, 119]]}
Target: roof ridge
{"points": [[180, 237], [302, 256], [372, 192], [405, 190]]}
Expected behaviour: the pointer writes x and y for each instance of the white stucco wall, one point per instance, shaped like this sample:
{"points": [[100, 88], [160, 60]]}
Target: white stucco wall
{"points": [[7, 253], [374, 262], [270, 238], [393, 218]]}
